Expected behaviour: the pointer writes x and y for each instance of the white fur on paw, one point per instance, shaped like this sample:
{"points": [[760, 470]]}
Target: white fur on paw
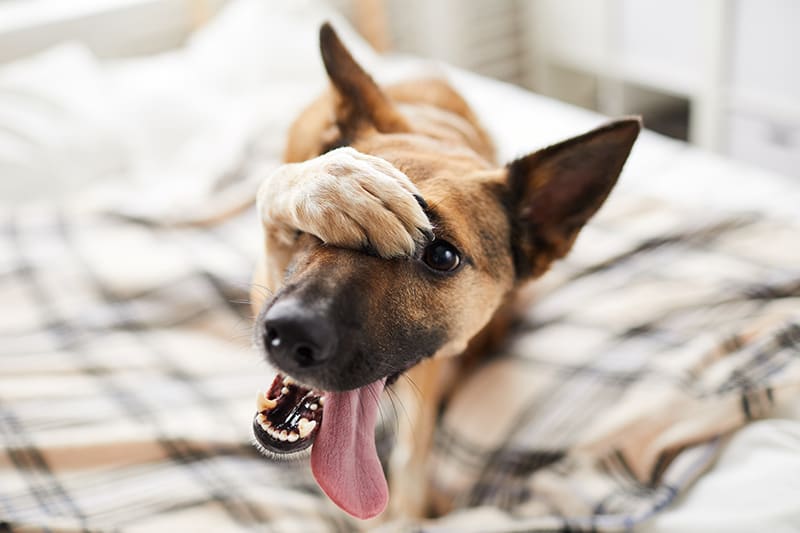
{"points": [[347, 199]]}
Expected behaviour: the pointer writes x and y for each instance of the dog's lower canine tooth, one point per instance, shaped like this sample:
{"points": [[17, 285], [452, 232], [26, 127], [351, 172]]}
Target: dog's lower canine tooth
{"points": [[306, 426], [263, 403], [288, 381]]}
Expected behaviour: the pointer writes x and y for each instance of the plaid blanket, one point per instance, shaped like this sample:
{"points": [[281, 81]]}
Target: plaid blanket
{"points": [[127, 377]]}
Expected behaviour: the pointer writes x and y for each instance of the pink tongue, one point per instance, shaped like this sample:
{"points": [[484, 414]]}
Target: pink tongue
{"points": [[344, 460]]}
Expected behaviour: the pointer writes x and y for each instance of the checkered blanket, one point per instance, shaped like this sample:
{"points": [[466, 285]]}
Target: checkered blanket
{"points": [[127, 379]]}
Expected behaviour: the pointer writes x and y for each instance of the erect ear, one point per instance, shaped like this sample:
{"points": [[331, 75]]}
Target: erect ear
{"points": [[360, 102], [555, 191]]}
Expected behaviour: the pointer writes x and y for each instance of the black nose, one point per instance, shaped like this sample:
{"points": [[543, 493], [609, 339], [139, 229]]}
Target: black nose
{"points": [[294, 335]]}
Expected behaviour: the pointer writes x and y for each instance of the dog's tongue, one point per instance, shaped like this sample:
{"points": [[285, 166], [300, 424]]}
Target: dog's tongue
{"points": [[344, 460]]}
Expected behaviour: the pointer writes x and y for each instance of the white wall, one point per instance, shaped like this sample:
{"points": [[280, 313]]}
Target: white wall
{"points": [[734, 61], [111, 28]]}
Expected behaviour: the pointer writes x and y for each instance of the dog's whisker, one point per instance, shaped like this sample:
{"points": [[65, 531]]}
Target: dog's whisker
{"points": [[263, 288], [375, 398], [390, 398], [414, 386], [395, 400]]}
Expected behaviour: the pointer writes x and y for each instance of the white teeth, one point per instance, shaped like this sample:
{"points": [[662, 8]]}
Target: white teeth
{"points": [[306, 426], [263, 403], [288, 381], [313, 407], [322, 400], [285, 390]]}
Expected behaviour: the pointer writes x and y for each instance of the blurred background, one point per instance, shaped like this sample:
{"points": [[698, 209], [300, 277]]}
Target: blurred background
{"points": [[721, 74]]}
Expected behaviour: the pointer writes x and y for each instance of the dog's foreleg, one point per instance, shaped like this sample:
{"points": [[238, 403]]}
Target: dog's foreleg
{"points": [[419, 394], [344, 198], [347, 199]]}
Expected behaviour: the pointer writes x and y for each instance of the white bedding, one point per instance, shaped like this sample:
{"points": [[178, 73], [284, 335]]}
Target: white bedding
{"points": [[70, 121]]}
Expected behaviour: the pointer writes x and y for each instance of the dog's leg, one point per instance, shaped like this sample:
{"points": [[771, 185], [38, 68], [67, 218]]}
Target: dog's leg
{"points": [[347, 199], [344, 198], [419, 394]]}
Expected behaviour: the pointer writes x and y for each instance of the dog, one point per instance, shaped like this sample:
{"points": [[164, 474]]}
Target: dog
{"points": [[395, 245]]}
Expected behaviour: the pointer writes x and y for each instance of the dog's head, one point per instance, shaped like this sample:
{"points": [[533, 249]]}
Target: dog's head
{"points": [[348, 319]]}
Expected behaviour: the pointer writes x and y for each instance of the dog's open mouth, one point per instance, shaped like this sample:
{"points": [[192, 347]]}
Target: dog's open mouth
{"points": [[344, 460], [288, 416]]}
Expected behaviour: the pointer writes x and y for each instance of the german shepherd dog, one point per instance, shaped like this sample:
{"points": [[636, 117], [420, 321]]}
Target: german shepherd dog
{"points": [[393, 244]]}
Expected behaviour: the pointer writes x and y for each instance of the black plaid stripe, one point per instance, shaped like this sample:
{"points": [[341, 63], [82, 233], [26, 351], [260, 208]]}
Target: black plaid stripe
{"points": [[42, 482], [693, 238]]}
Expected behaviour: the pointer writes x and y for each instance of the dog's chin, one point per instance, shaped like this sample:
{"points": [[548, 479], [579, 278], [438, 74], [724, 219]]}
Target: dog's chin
{"points": [[285, 457]]}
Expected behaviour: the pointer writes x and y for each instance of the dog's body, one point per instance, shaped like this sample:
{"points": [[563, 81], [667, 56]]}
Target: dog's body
{"points": [[394, 244]]}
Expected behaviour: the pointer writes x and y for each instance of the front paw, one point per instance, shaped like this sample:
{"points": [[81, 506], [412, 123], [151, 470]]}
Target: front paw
{"points": [[347, 199]]}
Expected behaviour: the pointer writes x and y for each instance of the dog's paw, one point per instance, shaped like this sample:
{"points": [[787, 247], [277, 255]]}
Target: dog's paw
{"points": [[347, 199]]}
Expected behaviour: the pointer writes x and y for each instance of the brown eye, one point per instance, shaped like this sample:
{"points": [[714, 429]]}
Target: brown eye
{"points": [[442, 256]]}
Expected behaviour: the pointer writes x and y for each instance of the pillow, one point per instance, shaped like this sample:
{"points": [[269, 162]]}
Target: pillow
{"points": [[184, 119], [57, 125]]}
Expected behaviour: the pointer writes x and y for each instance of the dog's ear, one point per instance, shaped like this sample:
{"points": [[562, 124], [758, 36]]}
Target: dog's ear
{"points": [[555, 191], [360, 102]]}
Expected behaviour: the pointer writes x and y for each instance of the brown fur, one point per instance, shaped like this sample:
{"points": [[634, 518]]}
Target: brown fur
{"points": [[509, 223]]}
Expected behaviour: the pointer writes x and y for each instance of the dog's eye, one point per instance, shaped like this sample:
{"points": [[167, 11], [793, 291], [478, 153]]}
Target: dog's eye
{"points": [[442, 256]]}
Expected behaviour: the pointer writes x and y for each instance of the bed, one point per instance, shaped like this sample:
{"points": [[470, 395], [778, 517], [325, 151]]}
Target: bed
{"points": [[654, 385]]}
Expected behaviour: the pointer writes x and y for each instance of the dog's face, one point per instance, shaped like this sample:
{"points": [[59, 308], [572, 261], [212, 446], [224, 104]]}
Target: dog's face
{"points": [[348, 318], [365, 317]]}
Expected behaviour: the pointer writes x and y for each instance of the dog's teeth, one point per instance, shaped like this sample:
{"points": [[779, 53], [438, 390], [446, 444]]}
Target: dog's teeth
{"points": [[284, 435], [306, 426], [285, 390], [293, 436], [313, 407], [322, 400], [288, 381], [263, 403]]}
